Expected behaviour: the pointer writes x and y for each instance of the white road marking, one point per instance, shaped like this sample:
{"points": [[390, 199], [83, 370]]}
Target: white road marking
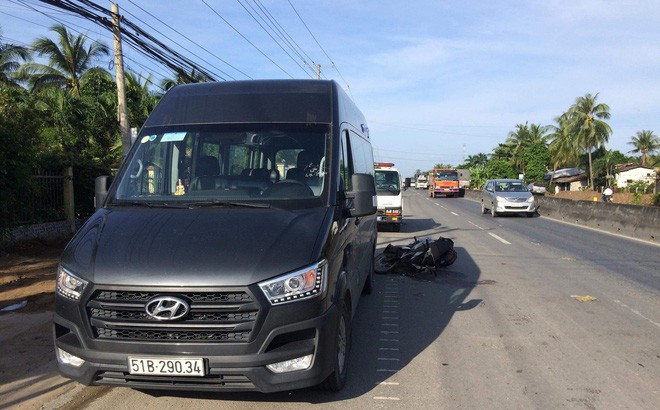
{"points": [[499, 239], [618, 302], [454, 213], [386, 398], [473, 224], [389, 383]]}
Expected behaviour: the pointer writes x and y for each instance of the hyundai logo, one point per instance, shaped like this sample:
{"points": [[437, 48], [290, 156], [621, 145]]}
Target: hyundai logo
{"points": [[167, 308]]}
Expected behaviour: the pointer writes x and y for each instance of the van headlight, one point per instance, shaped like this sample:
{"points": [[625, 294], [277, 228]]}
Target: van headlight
{"points": [[301, 284], [530, 199], [69, 285]]}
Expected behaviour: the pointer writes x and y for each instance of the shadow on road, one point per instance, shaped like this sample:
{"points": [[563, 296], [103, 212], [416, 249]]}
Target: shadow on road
{"points": [[395, 324]]}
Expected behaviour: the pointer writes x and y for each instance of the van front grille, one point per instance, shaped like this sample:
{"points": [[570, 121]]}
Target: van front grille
{"points": [[212, 317]]}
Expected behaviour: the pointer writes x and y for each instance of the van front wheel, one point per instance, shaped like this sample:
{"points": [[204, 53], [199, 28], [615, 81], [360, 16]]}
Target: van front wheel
{"points": [[337, 379]]}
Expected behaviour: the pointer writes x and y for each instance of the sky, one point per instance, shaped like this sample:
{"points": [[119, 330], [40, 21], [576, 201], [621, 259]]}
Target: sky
{"points": [[437, 80]]}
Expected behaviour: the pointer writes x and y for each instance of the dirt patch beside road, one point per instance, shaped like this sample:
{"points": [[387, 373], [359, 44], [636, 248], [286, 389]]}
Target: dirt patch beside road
{"points": [[28, 372]]}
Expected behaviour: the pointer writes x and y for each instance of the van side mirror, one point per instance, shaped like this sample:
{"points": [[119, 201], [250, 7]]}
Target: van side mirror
{"points": [[100, 191], [363, 196]]}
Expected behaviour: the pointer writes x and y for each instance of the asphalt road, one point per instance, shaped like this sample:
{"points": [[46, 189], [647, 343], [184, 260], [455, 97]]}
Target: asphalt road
{"points": [[504, 327]]}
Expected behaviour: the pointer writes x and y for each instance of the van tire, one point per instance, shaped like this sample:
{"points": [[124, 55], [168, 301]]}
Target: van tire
{"points": [[335, 382]]}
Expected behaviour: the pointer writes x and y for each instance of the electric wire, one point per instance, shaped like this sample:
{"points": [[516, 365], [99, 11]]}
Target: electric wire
{"points": [[245, 38], [322, 49], [273, 38], [266, 18], [284, 32], [189, 39], [71, 26]]}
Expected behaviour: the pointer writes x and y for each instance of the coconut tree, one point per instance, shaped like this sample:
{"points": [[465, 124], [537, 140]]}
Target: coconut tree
{"points": [[10, 54], [587, 118], [70, 58], [645, 143], [182, 77], [564, 148], [140, 99]]}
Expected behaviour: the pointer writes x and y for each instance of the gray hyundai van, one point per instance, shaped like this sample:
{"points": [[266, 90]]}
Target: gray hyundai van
{"points": [[232, 247]]}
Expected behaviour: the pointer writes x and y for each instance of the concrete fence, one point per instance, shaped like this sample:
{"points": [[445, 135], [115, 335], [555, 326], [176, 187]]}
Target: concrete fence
{"points": [[641, 222]]}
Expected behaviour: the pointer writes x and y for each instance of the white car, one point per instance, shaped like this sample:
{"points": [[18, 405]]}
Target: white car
{"points": [[507, 196]]}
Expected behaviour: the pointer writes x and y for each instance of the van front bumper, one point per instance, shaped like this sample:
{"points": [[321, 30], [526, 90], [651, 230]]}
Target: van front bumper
{"points": [[228, 366]]}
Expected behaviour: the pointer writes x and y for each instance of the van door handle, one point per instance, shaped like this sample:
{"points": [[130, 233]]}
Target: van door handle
{"points": [[357, 221]]}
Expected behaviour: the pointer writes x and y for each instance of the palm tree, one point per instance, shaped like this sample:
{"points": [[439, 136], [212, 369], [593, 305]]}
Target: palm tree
{"points": [[182, 77], [140, 100], [564, 148], [591, 131], [524, 137], [646, 143], [9, 65], [68, 61]]}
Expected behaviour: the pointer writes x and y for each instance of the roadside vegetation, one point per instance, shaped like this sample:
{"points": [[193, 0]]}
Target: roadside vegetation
{"points": [[577, 139], [58, 109]]}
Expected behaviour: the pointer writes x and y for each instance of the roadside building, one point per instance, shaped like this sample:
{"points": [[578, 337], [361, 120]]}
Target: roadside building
{"points": [[628, 173]]}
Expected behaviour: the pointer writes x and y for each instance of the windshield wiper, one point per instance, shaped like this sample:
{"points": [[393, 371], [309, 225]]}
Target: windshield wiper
{"points": [[229, 204], [147, 204]]}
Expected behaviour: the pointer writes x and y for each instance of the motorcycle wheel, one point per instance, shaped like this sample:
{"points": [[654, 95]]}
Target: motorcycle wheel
{"points": [[383, 264]]}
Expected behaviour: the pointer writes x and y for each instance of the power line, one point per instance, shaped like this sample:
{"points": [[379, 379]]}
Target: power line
{"points": [[273, 38], [245, 38], [288, 38], [189, 39], [322, 49], [71, 26]]}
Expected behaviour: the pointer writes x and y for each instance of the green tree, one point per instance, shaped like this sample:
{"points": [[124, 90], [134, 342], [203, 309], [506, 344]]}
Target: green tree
{"points": [[70, 59], [10, 55], [605, 164], [500, 169], [645, 143], [182, 77], [564, 148], [139, 99], [19, 125], [536, 158], [587, 117], [477, 160]]}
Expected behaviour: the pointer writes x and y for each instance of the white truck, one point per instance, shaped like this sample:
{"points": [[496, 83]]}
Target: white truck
{"points": [[422, 182], [389, 195]]}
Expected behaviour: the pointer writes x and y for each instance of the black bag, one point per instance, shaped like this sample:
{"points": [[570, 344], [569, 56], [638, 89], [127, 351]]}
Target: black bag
{"points": [[443, 252]]}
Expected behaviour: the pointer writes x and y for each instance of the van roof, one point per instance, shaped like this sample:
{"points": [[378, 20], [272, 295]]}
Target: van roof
{"points": [[254, 101]]}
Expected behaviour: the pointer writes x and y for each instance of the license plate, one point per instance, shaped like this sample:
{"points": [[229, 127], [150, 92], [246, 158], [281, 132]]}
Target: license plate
{"points": [[166, 366]]}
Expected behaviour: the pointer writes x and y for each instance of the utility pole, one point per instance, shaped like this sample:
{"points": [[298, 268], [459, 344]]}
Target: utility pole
{"points": [[121, 85], [318, 71]]}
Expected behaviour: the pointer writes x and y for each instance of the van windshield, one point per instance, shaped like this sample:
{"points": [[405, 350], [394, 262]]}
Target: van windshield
{"points": [[387, 181], [216, 164]]}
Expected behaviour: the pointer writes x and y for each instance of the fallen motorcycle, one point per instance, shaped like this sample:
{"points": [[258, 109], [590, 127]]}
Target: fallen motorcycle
{"points": [[416, 257]]}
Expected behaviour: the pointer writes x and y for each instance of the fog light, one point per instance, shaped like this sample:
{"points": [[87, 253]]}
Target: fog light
{"points": [[300, 363], [67, 358]]}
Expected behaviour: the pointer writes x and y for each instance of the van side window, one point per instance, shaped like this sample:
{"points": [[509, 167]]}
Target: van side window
{"points": [[363, 160], [345, 162]]}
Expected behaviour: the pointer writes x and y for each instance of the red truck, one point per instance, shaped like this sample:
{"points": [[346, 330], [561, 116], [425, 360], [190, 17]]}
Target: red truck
{"points": [[443, 181]]}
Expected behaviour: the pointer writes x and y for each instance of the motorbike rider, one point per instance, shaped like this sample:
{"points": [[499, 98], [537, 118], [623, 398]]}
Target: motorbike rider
{"points": [[607, 194]]}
